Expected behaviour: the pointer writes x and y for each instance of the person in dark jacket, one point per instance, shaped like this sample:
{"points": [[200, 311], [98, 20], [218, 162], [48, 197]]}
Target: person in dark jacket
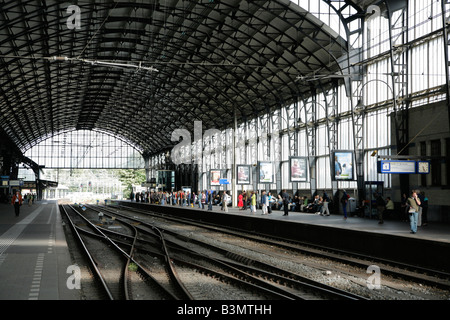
{"points": [[210, 200], [381, 205], [17, 202], [285, 198], [344, 201]]}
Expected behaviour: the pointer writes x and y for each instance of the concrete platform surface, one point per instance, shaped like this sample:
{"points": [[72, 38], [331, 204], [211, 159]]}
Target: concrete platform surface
{"points": [[34, 255], [433, 231]]}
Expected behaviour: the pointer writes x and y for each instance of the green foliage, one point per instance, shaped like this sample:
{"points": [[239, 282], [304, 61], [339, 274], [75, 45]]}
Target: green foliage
{"points": [[130, 177], [132, 267]]}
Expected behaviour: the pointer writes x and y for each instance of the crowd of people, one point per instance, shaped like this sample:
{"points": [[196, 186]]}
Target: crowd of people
{"points": [[411, 209], [17, 200], [206, 198], [266, 201], [28, 198], [283, 201]]}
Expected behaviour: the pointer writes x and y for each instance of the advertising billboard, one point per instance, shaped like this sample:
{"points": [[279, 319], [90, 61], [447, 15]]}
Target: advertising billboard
{"points": [[298, 169], [342, 165], [265, 172], [215, 177], [243, 174]]}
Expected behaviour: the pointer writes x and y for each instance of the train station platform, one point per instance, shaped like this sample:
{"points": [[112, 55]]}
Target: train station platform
{"points": [[34, 255], [433, 231], [391, 240]]}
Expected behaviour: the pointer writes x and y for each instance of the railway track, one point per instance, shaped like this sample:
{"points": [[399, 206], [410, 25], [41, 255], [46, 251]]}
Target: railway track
{"points": [[202, 270], [434, 278], [109, 253]]}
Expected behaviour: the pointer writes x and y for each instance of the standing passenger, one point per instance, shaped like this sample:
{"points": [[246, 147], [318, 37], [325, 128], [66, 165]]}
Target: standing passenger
{"points": [[17, 202], [285, 198], [344, 201], [253, 202], [420, 195], [241, 202], [317, 204], [269, 203], [203, 200], [225, 201], [389, 207], [325, 202], [381, 204], [264, 202], [210, 200], [414, 203]]}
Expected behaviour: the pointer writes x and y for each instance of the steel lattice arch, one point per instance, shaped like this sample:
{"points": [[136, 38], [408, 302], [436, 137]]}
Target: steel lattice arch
{"points": [[139, 70]]}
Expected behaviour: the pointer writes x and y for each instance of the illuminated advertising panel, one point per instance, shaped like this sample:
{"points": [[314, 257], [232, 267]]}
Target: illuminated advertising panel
{"points": [[298, 169], [265, 172], [243, 174], [342, 165], [215, 177]]}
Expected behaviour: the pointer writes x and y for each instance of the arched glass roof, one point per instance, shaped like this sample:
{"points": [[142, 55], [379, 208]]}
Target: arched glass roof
{"points": [[139, 70], [84, 149]]}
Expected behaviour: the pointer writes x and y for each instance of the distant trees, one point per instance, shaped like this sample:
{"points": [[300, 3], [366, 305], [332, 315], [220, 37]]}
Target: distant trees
{"points": [[130, 177], [97, 180]]}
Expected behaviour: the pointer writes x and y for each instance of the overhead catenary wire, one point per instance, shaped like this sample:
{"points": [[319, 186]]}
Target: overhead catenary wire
{"points": [[96, 31]]}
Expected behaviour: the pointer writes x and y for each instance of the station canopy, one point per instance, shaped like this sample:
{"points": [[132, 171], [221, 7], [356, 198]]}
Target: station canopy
{"points": [[139, 70]]}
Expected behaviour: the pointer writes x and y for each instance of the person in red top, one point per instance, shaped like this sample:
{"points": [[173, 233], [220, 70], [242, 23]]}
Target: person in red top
{"points": [[17, 202], [241, 202]]}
